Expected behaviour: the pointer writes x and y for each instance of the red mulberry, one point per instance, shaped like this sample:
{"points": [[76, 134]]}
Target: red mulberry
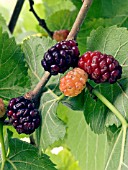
{"points": [[100, 67]]}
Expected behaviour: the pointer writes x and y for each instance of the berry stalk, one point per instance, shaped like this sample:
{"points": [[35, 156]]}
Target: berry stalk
{"points": [[60, 97], [2, 145], [108, 104]]}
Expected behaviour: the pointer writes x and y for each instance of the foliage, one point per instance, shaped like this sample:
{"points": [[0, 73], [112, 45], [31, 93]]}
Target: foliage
{"points": [[96, 138], [16, 154], [63, 159]]}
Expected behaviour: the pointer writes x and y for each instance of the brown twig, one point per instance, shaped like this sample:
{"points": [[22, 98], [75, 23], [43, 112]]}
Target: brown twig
{"points": [[79, 20], [36, 92], [42, 22]]}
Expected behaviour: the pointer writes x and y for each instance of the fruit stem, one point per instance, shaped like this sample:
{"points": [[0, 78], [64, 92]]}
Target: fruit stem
{"points": [[36, 92], [60, 97], [108, 104], [6, 123], [32, 140], [2, 145], [15, 15], [79, 20]]}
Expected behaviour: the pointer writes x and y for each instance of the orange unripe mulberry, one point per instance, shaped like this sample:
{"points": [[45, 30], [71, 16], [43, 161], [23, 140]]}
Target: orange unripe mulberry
{"points": [[73, 82]]}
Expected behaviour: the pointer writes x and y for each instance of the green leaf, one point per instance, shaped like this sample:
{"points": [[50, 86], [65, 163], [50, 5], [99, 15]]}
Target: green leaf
{"points": [[54, 6], [117, 154], [15, 134], [85, 145], [14, 79], [106, 9], [52, 128], [62, 19], [101, 13], [95, 113], [63, 160], [94, 23], [3, 24], [75, 103], [23, 155], [78, 4], [114, 8], [34, 49], [113, 41]]}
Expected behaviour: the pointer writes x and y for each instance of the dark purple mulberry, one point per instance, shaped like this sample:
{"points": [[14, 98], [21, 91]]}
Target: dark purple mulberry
{"points": [[23, 115], [60, 57]]}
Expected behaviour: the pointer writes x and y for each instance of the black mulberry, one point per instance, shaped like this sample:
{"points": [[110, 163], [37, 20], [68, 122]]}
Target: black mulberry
{"points": [[60, 57], [23, 115]]}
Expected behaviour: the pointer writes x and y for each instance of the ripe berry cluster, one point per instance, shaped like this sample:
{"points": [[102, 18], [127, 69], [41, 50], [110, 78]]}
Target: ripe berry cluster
{"points": [[23, 115], [60, 57], [100, 67]]}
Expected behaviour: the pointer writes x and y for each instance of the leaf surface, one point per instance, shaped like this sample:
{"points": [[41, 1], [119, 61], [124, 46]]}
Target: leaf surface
{"points": [[22, 156], [54, 6], [3, 24], [96, 152], [62, 19], [52, 128], [106, 9], [14, 79], [85, 145], [34, 49], [117, 157]]}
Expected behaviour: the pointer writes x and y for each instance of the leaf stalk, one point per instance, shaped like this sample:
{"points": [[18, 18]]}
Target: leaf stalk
{"points": [[2, 145], [60, 97], [108, 104], [124, 128]]}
